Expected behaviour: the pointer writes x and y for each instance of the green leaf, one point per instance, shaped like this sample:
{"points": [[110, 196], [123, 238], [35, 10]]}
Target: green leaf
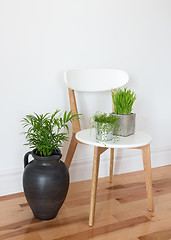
{"points": [[43, 131]]}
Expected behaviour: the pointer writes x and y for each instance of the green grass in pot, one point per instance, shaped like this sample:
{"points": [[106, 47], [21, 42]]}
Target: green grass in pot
{"points": [[123, 101], [104, 118]]}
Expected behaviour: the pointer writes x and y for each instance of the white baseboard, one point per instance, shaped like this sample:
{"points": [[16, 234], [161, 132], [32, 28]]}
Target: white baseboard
{"points": [[11, 181], [81, 169]]}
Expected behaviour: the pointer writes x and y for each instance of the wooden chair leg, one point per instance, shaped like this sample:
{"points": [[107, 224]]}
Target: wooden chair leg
{"points": [[148, 175], [111, 164], [71, 150], [94, 185]]}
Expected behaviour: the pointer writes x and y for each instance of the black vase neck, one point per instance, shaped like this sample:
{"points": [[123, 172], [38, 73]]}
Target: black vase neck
{"points": [[54, 158]]}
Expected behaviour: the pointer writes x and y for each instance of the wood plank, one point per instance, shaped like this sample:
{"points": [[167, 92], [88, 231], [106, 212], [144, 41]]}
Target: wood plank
{"points": [[136, 231], [160, 235], [27, 237], [105, 229], [125, 218], [125, 193], [11, 196]]}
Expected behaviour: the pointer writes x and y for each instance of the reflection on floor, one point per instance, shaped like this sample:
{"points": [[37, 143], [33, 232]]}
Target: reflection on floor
{"points": [[121, 212]]}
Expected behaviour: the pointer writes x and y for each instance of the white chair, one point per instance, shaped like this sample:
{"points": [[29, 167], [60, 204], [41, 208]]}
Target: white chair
{"points": [[96, 80]]}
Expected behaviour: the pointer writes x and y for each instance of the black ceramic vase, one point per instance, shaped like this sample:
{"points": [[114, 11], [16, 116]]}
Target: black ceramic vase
{"points": [[45, 182]]}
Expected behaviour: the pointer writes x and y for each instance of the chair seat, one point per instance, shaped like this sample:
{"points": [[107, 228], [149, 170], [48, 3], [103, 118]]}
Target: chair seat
{"points": [[138, 139]]}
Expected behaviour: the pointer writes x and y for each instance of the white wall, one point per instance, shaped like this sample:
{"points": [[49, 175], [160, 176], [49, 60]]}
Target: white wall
{"points": [[39, 39]]}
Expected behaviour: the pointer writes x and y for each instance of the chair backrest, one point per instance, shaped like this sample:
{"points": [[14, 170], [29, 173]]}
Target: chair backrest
{"points": [[95, 80], [91, 80]]}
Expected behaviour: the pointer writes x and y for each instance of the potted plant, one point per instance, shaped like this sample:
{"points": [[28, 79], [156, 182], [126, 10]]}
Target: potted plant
{"points": [[46, 178], [123, 102], [105, 125]]}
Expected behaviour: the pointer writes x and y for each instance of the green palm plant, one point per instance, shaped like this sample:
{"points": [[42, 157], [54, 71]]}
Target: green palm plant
{"points": [[44, 131]]}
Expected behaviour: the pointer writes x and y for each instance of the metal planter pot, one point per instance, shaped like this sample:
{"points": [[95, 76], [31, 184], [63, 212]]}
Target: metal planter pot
{"points": [[126, 124], [104, 132]]}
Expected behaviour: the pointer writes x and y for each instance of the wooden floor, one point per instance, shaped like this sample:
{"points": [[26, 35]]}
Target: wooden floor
{"points": [[121, 212]]}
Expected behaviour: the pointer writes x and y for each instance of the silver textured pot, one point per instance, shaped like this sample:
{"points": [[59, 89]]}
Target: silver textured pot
{"points": [[126, 124], [104, 132]]}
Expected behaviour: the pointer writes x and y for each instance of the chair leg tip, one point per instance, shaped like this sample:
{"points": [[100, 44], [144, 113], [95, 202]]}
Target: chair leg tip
{"points": [[90, 224], [151, 210], [110, 179]]}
